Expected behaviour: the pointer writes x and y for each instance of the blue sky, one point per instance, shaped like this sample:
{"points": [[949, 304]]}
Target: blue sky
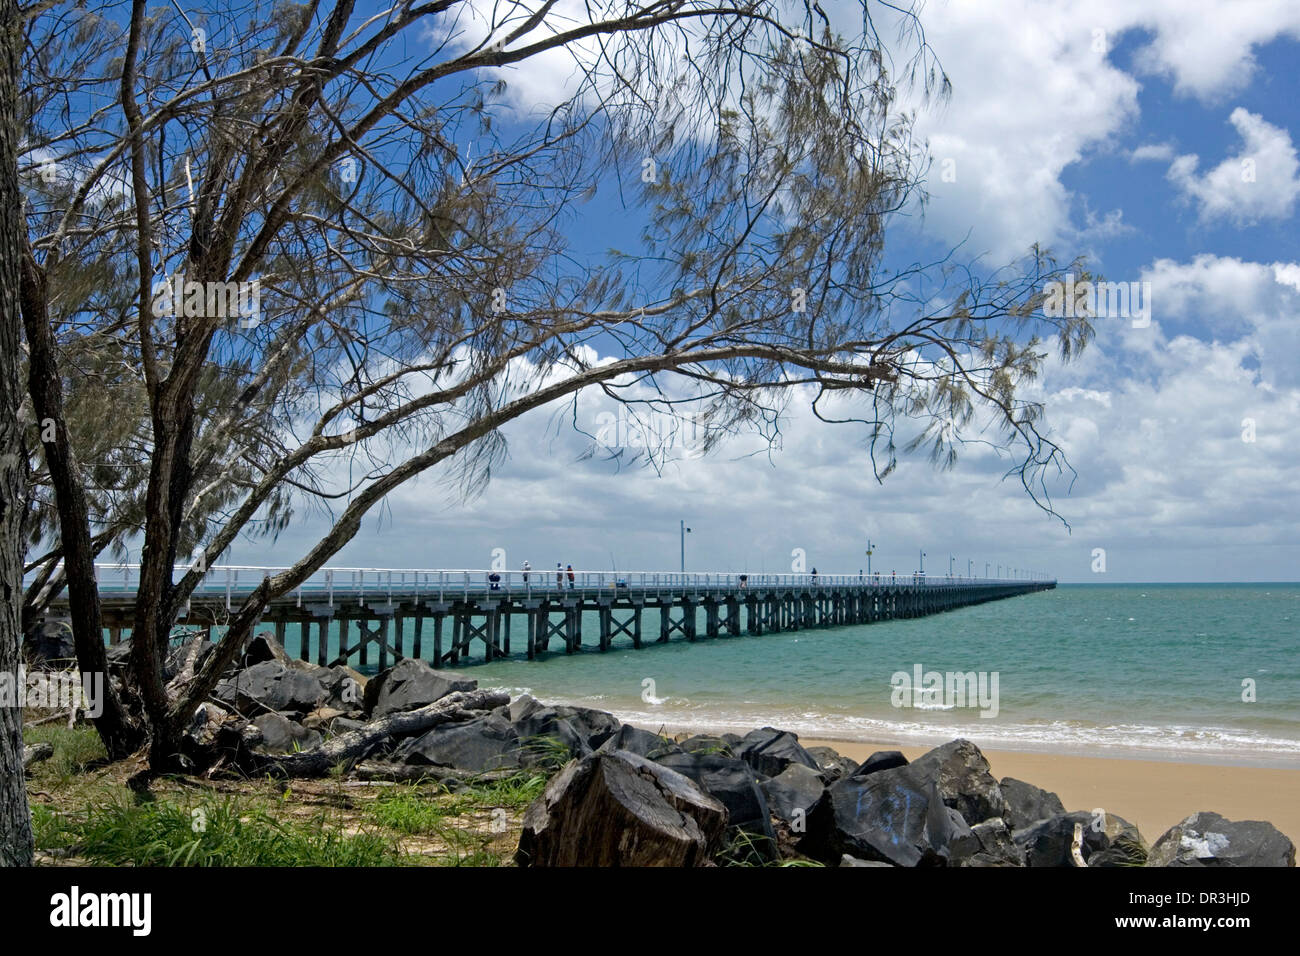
{"points": [[1185, 434]]}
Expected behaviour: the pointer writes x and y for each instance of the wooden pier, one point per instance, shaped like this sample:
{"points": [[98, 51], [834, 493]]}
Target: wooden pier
{"points": [[373, 617]]}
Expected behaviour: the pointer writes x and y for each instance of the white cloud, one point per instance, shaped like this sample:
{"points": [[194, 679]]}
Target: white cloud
{"points": [[1260, 182]]}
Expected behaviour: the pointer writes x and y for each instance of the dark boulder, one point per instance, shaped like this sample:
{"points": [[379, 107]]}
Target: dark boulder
{"points": [[545, 733], [49, 644], [882, 816], [731, 781], [996, 847], [1207, 839], [594, 726], [270, 686], [478, 745], [408, 685], [880, 760], [282, 735], [917, 814], [831, 764], [792, 794], [706, 744], [619, 809], [964, 781], [1027, 804], [769, 751], [263, 647], [643, 743], [1108, 840]]}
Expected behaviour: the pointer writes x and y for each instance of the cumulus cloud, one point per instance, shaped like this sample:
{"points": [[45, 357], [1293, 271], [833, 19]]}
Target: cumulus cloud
{"points": [[1260, 182]]}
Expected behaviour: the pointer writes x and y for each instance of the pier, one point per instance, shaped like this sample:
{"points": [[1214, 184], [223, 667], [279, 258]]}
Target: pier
{"points": [[382, 615]]}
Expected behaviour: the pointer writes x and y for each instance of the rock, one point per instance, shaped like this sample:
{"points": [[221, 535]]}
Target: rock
{"points": [[964, 781], [996, 847], [914, 814], [770, 751], [261, 648], [49, 644], [880, 760], [1207, 839], [557, 733], [1108, 840], [282, 735], [409, 684], [832, 765], [732, 782], [1027, 804], [706, 744], [619, 809], [484, 743], [344, 688], [793, 793], [270, 686], [640, 742], [881, 816], [595, 726], [322, 717]]}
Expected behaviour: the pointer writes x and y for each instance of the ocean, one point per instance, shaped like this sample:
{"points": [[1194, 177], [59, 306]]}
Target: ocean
{"points": [[1151, 671]]}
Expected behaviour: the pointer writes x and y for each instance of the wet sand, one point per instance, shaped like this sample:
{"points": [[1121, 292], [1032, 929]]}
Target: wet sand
{"points": [[1153, 794]]}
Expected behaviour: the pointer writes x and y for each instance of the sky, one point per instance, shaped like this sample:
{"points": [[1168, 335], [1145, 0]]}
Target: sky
{"points": [[1157, 138]]}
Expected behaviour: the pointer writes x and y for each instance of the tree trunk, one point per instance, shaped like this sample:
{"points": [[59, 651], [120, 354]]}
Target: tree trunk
{"points": [[15, 819], [121, 736]]}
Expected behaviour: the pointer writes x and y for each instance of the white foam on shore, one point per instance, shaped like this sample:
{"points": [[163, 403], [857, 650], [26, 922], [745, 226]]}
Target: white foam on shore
{"points": [[1175, 742]]}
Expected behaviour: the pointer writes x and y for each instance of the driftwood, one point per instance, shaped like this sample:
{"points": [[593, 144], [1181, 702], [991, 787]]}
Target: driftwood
{"points": [[1076, 846], [355, 745], [36, 753]]}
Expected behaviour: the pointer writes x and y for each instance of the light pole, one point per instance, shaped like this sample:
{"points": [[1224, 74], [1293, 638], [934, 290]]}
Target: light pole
{"points": [[869, 547], [923, 562], [950, 561], [685, 531], [969, 565]]}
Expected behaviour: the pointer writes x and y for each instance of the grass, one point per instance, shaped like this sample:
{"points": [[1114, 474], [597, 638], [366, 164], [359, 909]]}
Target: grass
{"points": [[83, 812], [208, 833]]}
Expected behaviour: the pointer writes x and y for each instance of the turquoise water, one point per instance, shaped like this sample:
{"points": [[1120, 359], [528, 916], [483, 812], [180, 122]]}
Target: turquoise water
{"points": [[1135, 670]]}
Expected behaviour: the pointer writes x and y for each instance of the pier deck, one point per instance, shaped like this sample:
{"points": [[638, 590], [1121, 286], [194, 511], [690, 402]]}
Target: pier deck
{"points": [[458, 616]]}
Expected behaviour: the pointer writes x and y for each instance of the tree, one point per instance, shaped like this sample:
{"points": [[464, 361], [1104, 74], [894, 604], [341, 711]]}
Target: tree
{"points": [[15, 819], [402, 245]]}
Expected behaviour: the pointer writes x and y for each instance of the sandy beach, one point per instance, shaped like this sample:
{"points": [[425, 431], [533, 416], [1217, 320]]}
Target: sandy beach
{"points": [[1153, 794]]}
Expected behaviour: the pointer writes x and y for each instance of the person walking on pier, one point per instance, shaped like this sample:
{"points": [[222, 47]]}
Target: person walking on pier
{"points": [[527, 567], [559, 575], [569, 572]]}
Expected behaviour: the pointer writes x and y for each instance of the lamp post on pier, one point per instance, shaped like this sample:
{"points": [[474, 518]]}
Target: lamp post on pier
{"points": [[685, 531]]}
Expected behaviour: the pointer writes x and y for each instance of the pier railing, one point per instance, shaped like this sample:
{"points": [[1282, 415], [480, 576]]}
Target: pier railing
{"points": [[373, 585]]}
